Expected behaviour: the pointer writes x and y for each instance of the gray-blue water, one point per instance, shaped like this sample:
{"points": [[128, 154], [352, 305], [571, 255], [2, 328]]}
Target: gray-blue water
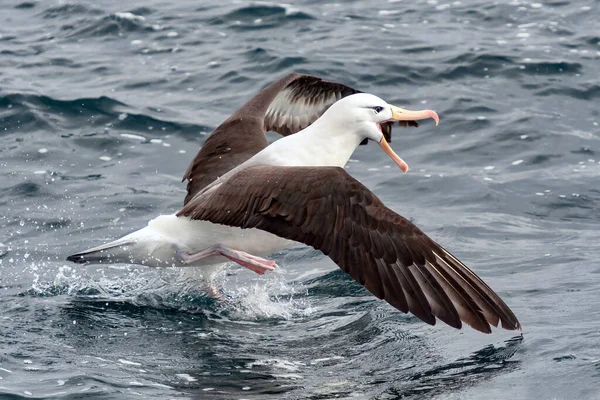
{"points": [[104, 103]]}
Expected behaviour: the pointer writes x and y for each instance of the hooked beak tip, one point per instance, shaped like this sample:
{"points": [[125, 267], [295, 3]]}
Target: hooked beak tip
{"points": [[435, 117]]}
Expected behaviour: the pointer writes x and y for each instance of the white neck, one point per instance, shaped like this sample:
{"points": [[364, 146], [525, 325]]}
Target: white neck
{"points": [[325, 143]]}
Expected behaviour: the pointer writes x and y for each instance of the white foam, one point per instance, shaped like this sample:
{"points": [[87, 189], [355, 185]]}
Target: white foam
{"points": [[290, 366], [105, 158], [127, 362], [43, 150], [129, 16], [320, 360], [389, 12], [517, 162], [186, 377], [131, 136], [527, 25]]}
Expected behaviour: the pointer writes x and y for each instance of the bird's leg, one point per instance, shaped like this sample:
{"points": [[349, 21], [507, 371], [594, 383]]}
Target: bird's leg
{"points": [[215, 292], [253, 263]]}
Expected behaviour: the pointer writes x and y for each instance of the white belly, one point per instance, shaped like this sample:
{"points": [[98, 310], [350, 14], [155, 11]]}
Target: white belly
{"points": [[168, 234]]}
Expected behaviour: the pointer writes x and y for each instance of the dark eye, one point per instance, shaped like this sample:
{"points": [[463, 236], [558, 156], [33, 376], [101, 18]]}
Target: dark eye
{"points": [[377, 109]]}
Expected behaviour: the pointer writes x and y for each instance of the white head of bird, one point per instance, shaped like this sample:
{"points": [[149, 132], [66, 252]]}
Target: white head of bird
{"points": [[359, 116]]}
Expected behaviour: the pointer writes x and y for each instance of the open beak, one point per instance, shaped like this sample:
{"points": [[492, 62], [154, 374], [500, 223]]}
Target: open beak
{"points": [[400, 114], [388, 150]]}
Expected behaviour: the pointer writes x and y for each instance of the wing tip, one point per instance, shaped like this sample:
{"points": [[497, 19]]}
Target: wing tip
{"points": [[504, 324], [512, 325]]}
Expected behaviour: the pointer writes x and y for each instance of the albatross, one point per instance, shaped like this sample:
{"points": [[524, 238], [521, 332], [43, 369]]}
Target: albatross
{"points": [[247, 199]]}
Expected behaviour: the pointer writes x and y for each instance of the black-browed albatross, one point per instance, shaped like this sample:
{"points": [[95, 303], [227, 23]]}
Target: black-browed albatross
{"points": [[245, 197]]}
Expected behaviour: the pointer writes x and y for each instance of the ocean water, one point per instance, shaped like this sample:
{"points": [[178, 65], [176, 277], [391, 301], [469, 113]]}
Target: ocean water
{"points": [[104, 103]]}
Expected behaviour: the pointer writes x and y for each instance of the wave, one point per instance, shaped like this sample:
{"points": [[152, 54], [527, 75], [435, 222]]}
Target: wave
{"points": [[461, 373], [586, 92], [482, 65], [31, 112], [64, 11], [261, 15]]}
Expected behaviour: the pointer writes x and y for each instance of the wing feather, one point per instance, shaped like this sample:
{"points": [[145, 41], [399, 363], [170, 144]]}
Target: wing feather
{"points": [[380, 249]]}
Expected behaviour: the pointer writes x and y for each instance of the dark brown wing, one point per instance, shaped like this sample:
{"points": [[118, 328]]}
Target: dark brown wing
{"points": [[285, 106], [380, 249], [234, 141]]}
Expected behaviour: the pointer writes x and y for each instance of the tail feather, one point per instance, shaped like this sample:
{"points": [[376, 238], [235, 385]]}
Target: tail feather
{"points": [[146, 246], [102, 253]]}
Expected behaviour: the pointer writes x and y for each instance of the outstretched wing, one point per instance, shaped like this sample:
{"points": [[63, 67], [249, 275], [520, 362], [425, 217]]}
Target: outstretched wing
{"points": [[380, 249], [285, 106]]}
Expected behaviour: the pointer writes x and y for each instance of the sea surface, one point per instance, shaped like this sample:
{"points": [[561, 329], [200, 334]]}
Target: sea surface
{"points": [[104, 103]]}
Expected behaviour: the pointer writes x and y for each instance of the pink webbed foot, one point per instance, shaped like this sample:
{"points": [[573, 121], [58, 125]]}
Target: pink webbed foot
{"points": [[253, 263]]}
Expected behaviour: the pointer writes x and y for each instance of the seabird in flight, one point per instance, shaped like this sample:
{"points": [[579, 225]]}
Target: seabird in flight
{"points": [[246, 199]]}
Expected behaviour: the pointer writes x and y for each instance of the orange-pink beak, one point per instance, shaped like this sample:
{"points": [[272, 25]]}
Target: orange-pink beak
{"points": [[400, 114]]}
